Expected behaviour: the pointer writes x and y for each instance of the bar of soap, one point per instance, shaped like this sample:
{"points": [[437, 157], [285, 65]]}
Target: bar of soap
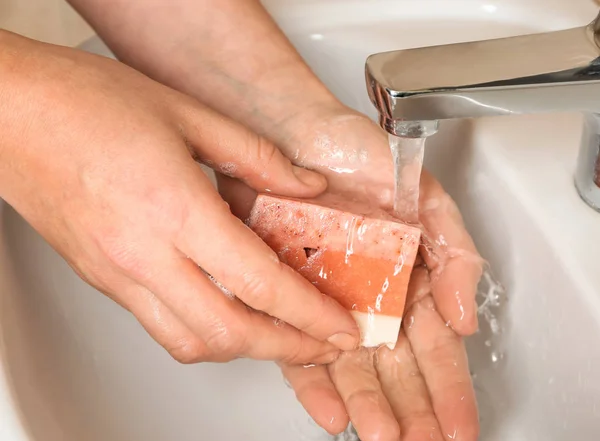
{"points": [[362, 262]]}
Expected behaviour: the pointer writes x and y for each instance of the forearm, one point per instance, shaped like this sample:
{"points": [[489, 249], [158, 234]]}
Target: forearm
{"points": [[229, 54], [17, 54]]}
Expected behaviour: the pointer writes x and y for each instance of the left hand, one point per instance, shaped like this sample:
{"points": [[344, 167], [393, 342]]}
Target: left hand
{"points": [[422, 389]]}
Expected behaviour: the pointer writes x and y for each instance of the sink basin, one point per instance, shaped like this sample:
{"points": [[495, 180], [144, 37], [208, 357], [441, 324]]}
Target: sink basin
{"points": [[74, 366]]}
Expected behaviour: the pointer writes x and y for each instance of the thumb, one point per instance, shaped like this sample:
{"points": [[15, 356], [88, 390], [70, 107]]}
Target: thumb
{"points": [[233, 150]]}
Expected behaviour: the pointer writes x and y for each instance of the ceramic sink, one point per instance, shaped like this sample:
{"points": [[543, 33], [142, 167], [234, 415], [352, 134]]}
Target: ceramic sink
{"points": [[74, 366]]}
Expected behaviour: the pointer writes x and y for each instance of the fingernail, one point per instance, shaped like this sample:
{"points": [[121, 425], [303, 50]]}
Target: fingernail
{"points": [[345, 342], [310, 178]]}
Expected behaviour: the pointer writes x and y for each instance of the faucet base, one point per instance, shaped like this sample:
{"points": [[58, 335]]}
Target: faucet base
{"points": [[587, 174], [591, 202]]}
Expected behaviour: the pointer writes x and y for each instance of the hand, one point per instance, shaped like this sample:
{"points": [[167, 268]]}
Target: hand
{"points": [[100, 160], [422, 389]]}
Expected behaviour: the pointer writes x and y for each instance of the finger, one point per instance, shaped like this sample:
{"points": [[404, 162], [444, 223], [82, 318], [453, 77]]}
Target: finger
{"points": [[405, 389], [228, 328], [238, 195], [442, 359], [355, 378], [451, 255], [235, 151], [243, 263], [316, 392], [164, 327], [158, 321]]}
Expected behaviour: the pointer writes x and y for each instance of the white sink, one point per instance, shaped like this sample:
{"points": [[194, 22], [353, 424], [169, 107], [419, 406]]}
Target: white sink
{"points": [[74, 366]]}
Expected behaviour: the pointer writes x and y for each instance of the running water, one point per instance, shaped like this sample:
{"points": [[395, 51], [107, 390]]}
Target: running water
{"points": [[491, 298], [407, 154]]}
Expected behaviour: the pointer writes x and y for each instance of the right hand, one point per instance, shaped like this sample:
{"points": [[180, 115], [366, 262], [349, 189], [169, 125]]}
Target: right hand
{"points": [[99, 159]]}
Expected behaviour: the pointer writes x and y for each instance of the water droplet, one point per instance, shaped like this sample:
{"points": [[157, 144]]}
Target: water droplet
{"points": [[442, 240], [323, 273], [496, 356], [399, 263], [378, 302], [350, 238], [494, 325]]}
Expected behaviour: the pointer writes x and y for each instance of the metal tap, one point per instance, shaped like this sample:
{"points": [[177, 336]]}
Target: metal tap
{"points": [[540, 73]]}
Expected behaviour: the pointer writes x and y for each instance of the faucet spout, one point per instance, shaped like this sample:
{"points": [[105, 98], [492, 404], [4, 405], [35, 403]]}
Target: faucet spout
{"points": [[538, 73], [555, 71]]}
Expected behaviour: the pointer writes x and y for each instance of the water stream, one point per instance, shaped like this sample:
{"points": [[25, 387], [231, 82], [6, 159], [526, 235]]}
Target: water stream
{"points": [[407, 154]]}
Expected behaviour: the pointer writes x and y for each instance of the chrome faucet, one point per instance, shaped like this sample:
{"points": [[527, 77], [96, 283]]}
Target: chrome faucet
{"points": [[551, 72]]}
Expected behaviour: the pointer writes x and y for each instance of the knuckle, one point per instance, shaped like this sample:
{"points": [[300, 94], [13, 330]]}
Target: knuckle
{"points": [[317, 313], [169, 207], [362, 396], [96, 275], [295, 357], [189, 351], [122, 254], [257, 292], [86, 273], [227, 341], [442, 350], [265, 152]]}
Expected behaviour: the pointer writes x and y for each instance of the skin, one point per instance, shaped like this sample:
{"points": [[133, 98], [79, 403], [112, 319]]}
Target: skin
{"points": [[387, 395], [119, 195]]}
